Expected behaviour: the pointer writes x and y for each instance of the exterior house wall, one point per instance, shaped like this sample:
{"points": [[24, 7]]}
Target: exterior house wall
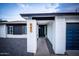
{"points": [[60, 38], [16, 36], [72, 19], [49, 31], [37, 28], [53, 36], [59, 45], [3, 31], [31, 36], [56, 33]]}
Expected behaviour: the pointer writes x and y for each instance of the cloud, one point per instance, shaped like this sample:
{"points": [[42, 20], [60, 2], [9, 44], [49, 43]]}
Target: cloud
{"points": [[39, 8], [23, 5], [53, 7]]}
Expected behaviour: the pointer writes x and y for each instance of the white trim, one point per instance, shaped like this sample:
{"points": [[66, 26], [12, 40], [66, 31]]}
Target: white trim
{"points": [[14, 22], [16, 36], [39, 16], [10, 29], [44, 22], [72, 19]]}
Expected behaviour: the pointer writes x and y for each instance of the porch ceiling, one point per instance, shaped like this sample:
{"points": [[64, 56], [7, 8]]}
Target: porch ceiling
{"points": [[43, 22]]}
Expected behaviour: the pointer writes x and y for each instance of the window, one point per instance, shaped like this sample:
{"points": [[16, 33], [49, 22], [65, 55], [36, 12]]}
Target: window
{"points": [[17, 29], [10, 30]]}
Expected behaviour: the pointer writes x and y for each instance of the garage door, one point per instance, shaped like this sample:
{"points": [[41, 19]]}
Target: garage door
{"points": [[72, 36]]}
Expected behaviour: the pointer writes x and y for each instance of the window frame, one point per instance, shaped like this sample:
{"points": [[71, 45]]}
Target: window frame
{"points": [[10, 29]]}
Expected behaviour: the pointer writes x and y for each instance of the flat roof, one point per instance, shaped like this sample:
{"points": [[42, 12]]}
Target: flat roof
{"points": [[59, 13], [13, 22]]}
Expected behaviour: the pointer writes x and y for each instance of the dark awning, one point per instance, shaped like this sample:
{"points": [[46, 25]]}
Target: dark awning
{"points": [[60, 13]]}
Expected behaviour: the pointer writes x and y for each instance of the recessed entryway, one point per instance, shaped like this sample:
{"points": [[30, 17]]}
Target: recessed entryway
{"points": [[42, 30]]}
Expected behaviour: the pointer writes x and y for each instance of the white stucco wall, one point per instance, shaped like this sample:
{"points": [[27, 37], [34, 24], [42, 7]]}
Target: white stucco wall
{"points": [[31, 36], [50, 31], [53, 36], [37, 31], [16, 36], [55, 31], [72, 19], [60, 38], [3, 31]]}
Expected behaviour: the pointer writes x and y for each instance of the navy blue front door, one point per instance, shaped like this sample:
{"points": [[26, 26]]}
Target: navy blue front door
{"points": [[72, 36], [42, 30]]}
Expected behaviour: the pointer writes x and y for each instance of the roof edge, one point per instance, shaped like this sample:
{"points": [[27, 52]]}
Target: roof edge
{"points": [[58, 13]]}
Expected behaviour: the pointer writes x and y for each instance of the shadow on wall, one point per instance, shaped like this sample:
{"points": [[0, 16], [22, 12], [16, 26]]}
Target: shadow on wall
{"points": [[49, 45]]}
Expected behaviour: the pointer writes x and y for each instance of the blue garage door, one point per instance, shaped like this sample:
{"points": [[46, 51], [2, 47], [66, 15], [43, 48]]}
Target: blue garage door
{"points": [[72, 36]]}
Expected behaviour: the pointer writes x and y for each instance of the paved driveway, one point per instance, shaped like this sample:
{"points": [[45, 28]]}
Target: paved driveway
{"points": [[13, 47]]}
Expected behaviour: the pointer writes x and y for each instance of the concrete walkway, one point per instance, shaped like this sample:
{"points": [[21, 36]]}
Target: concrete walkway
{"points": [[42, 49], [73, 52]]}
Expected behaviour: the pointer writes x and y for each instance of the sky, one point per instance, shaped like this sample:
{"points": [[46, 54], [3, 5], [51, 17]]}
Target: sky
{"points": [[12, 11]]}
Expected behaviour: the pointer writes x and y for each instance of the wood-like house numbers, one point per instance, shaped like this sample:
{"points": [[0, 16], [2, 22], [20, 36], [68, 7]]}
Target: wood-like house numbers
{"points": [[30, 27]]}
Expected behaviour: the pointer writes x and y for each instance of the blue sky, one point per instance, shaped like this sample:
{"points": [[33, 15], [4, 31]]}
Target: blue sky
{"points": [[11, 11]]}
